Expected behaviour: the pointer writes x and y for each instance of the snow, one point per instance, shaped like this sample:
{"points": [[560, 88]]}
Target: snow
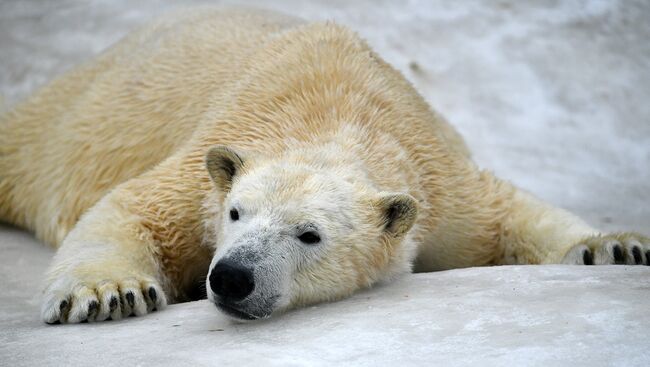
{"points": [[524, 315], [550, 95]]}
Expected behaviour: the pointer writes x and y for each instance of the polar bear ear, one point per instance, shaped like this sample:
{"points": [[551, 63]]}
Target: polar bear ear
{"points": [[223, 164], [399, 212]]}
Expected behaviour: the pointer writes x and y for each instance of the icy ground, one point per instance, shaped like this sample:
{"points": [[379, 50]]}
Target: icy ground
{"points": [[501, 316], [552, 95]]}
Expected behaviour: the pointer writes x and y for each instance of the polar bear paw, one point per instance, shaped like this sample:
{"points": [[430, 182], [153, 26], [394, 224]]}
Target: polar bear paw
{"points": [[617, 248], [68, 300]]}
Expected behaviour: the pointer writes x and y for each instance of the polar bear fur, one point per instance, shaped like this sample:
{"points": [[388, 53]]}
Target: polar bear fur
{"points": [[297, 120]]}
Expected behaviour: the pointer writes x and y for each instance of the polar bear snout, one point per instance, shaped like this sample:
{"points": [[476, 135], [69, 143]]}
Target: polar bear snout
{"points": [[231, 281], [241, 288]]}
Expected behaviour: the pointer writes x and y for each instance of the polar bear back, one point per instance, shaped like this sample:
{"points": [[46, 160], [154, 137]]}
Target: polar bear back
{"points": [[121, 114]]}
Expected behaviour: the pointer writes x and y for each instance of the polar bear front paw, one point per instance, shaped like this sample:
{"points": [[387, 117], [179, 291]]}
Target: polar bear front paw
{"points": [[617, 248], [69, 300]]}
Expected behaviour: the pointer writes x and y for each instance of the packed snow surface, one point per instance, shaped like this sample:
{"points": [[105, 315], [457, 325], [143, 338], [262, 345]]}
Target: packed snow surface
{"points": [[552, 95]]}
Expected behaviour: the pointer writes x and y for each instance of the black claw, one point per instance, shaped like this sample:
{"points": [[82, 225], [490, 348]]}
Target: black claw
{"points": [[63, 305], [130, 298], [92, 307], [113, 303], [152, 294], [618, 255], [636, 252], [587, 258]]}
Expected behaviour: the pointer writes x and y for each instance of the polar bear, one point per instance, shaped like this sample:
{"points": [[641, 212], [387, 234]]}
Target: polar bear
{"points": [[282, 163]]}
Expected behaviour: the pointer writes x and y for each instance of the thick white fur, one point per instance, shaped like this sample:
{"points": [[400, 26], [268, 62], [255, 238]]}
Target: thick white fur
{"points": [[107, 163]]}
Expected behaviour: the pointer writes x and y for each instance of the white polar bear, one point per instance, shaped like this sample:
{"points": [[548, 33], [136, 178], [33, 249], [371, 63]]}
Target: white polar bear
{"points": [[285, 160]]}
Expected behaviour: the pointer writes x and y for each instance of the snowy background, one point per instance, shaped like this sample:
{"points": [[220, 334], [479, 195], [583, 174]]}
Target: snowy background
{"points": [[552, 95]]}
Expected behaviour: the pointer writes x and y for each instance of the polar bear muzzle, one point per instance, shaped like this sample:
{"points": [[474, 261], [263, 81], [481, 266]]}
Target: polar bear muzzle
{"points": [[247, 280], [232, 282]]}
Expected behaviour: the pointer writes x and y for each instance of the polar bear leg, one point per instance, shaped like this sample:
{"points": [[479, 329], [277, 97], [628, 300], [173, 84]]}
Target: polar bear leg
{"points": [[102, 271], [95, 288], [535, 232]]}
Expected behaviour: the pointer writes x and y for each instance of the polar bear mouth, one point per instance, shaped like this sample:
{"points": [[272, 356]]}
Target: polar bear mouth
{"points": [[235, 312]]}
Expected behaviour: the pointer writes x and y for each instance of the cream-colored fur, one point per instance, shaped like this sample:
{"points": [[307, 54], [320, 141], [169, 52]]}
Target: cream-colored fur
{"points": [[107, 163]]}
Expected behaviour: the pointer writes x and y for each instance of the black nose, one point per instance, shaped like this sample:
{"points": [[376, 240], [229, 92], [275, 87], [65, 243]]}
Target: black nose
{"points": [[231, 280]]}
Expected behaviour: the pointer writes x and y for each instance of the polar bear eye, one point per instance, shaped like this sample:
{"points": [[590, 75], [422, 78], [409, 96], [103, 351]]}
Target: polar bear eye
{"points": [[309, 238], [234, 214]]}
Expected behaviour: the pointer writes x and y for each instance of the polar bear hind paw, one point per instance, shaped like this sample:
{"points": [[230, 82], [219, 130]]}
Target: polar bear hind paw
{"points": [[616, 248], [68, 300]]}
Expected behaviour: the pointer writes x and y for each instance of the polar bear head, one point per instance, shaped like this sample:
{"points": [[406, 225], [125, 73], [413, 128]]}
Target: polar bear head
{"points": [[293, 233]]}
